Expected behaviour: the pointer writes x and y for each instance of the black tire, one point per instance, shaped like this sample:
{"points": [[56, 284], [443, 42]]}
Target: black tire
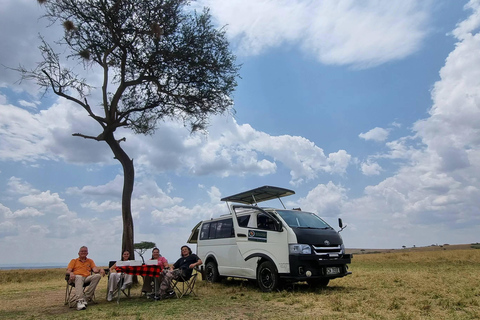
{"points": [[211, 272], [318, 283], [267, 277]]}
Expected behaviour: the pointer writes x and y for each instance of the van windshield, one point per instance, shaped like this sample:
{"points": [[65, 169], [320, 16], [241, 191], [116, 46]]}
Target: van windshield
{"points": [[302, 219]]}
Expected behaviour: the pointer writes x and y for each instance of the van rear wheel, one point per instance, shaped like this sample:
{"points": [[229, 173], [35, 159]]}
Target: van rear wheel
{"points": [[211, 272], [267, 276]]}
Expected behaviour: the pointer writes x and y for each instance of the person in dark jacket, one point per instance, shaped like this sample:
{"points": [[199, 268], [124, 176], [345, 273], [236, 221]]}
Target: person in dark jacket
{"points": [[183, 266]]}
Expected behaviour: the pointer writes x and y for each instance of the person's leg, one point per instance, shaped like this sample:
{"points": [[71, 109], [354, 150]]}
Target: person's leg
{"points": [[147, 284], [79, 281], [158, 282], [127, 280], [93, 280], [113, 281], [167, 279], [112, 285]]}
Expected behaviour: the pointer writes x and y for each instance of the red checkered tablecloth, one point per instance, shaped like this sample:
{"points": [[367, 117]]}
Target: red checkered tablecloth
{"points": [[144, 270]]}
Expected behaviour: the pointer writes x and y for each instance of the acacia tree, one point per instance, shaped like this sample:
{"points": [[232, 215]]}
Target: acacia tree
{"points": [[142, 247], [159, 60]]}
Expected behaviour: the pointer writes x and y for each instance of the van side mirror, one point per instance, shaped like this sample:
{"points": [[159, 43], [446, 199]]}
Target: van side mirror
{"points": [[280, 226], [340, 224]]}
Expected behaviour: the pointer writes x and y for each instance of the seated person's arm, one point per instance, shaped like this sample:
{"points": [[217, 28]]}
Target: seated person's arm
{"points": [[112, 269], [165, 264], [98, 270], [72, 275], [176, 265], [196, 264]]}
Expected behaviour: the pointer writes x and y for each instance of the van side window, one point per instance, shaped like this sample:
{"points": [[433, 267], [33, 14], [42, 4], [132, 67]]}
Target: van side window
{"points": [[264, 222], [213, 230], [243, 221], [225, 229], [217, 230], [204, 232]]}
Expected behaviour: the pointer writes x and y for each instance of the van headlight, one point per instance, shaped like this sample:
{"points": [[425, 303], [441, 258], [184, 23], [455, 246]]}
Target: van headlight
{"points": [[300, 249], [342, 248]]}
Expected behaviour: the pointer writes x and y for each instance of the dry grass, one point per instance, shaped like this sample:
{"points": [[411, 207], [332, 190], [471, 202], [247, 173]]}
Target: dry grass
{"points": [[442, 284]]}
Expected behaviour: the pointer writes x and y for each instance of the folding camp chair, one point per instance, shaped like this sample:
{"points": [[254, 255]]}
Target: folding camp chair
{"points": [[183, 286], [69, 288], [120, 284]]}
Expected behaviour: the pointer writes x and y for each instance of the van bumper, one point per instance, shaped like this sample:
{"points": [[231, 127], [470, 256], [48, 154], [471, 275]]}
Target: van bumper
{"points": [[304, 267]]}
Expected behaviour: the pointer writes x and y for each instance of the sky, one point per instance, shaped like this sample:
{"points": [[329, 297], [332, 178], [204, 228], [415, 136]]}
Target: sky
{"points": [[368, 110]]}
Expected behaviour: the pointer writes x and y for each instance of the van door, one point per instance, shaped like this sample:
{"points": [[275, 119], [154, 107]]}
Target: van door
{"points": [[194, 235], [259, 234]]}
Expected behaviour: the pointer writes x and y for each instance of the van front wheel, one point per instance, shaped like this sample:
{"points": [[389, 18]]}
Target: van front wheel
{"points": [[267, 276], [211, 272], [318, 283]]}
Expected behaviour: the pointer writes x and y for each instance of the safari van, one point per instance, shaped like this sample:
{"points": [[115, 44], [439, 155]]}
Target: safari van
{"points": [[271, 246]]}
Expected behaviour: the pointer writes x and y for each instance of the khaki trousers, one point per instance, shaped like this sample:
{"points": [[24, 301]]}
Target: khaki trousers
{"points": [[90, 289]]}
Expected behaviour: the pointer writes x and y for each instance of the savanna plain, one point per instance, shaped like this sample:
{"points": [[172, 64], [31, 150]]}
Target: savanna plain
{"points": [[441, 283]]}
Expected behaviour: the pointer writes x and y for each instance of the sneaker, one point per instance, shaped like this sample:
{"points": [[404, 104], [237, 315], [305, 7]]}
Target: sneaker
{"points": [[110, 296], [81, 305]]}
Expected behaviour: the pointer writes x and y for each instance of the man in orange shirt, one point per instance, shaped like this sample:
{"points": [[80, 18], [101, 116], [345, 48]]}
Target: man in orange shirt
{"points": [[80, 270]]}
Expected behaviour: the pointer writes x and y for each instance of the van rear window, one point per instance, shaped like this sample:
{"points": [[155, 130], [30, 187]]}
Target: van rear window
{"points": [[217, 229]]}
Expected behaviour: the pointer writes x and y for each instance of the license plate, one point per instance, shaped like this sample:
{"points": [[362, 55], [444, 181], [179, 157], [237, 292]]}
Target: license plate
{"points": [[333, 270]]}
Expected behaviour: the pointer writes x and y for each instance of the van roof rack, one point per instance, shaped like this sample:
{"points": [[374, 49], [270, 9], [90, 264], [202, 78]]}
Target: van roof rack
{"points": [[260, 194]]}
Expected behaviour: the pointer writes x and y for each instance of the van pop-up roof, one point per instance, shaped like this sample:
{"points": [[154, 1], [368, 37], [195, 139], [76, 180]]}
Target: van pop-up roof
{"points": [[257, 195]]}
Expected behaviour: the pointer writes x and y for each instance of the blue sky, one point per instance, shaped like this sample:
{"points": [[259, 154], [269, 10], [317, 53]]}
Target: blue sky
{"points": [[368, 110]]}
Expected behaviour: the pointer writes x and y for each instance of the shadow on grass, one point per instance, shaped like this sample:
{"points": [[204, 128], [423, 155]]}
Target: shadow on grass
{"points": [[301, 287]]}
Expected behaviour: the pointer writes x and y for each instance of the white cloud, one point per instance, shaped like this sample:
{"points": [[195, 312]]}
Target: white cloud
{"points": [[104, 206], [375, 134], [437, 189], [46, 201], [18, 186], [363, 34], [325, 200], [27, 212], [112, 189], [23, 136], [229, 148], [371, 168], [465, 27], [27, 104], [21, 19], [434, 190], [8, 228], [5, 211], [214, 194]]}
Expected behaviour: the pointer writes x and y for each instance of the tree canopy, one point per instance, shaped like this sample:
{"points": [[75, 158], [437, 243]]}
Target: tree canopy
{"points": [[158, 60], [142, 247]]}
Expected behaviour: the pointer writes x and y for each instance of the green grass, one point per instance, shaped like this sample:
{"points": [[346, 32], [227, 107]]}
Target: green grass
{"points": [[400, 285]]}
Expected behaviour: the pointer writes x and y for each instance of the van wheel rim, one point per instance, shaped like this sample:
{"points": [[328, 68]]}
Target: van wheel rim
{"points": [[266, 278]]}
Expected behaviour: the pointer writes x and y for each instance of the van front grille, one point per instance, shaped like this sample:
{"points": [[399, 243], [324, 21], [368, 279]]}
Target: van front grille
{"points": [[329, 252]]}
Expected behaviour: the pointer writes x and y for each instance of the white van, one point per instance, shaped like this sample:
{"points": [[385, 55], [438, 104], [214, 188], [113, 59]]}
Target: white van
{"points": [[270, 245]]}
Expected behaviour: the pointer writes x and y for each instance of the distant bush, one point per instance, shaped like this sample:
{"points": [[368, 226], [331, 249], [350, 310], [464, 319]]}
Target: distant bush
{"points": [[475, 246]]}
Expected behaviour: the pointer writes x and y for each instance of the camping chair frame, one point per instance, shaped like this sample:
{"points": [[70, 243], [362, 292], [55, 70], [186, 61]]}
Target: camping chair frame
{"points": [[120, 284], [70, 286], [184, 286]]}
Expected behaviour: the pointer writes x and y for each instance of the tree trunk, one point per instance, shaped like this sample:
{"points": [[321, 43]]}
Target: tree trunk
{"points": [[128, 181]]}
